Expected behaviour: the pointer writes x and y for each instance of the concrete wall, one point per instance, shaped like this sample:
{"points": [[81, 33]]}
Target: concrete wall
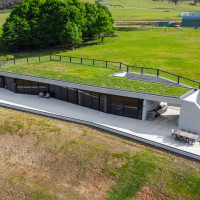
{"points": [[190, 113], [147, 106]]}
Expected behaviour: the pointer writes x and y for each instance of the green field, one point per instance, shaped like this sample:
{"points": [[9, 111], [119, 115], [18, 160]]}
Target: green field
{"points": [[46, 159], [149, 9], [168, 49]]}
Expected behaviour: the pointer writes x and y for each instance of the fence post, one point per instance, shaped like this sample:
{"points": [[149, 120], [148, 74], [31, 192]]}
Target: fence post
{"points": [[127, 68], [120, 67], [93, 62], [39, 58], [60, 58], [106, 63], [142, 70], [158, 71], [178, 80], [27, 59], [81, 60], [14, 61]]}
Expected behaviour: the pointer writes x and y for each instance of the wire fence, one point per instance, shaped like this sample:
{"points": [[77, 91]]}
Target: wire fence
{"points": [[179, 80]]}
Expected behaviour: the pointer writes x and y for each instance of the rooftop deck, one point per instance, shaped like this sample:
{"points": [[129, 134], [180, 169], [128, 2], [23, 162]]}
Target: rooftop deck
{"points": [[157, 132]]}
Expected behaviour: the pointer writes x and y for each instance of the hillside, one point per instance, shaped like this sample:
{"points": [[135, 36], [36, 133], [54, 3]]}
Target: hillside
{"points": [[43, 158]]}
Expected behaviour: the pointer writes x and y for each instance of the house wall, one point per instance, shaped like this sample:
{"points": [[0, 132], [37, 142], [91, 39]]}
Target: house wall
{"points": [[147, 106], [190, 113], [190, 117]]}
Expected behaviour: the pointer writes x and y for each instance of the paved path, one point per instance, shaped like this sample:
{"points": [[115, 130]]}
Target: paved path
{"points": [[156, 132]]}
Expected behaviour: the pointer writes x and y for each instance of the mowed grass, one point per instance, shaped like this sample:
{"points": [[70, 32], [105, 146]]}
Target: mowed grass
{"points": [[65, 161], [168, 49], [149, 10], [92, 75]]}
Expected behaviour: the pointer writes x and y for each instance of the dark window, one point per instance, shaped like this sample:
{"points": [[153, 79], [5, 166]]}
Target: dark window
{"points": [[88, 99], [105, 103], [34, 88], [117, 105], [20, 87], [130, 107], [63, 91], [42, 87], [72, 95], [27, 87], [95, 101]]}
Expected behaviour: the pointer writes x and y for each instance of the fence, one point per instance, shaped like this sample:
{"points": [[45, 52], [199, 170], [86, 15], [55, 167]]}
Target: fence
{"points": [[102, 63]]}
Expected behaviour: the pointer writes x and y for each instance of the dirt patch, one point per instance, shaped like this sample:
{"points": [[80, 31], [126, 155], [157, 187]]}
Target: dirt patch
{"points": [[42, 157], [149, 193]]}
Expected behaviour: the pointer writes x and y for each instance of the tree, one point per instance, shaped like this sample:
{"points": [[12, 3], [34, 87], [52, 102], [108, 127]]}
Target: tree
{"points": [[44, 23], [71, 34]]}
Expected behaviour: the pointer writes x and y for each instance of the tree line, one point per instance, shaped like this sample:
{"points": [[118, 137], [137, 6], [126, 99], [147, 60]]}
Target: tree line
{"points": [[45, 23], [8, 4]]}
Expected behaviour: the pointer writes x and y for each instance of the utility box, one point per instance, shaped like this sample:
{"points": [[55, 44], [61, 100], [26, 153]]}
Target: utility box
{"points": [[165, 24]]}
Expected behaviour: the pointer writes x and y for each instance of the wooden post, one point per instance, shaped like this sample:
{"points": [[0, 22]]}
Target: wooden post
{"points": [[142, 70], [81, 60], [120, 67], [178, 80], [158, 71], [39, 58], [127, 68], [70, 58]]}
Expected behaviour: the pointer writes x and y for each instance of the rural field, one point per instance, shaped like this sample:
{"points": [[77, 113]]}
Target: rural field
{"points": [[47, 159], [138, 10], [43, 158]]}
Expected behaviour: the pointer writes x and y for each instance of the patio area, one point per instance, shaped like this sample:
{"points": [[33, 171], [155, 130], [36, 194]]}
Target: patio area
{"points": [[157, 132]]}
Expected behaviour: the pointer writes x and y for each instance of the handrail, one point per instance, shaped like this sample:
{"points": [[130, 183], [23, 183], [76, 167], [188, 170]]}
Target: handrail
{"points": [[106, 62]]}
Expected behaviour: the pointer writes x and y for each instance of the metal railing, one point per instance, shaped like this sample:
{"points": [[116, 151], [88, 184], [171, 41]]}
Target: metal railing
{"points": [[179, 80]]}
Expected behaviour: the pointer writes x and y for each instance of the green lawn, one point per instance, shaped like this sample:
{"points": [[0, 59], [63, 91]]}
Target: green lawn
{"points": [[91, 75], [168, 49], [149, 9]]}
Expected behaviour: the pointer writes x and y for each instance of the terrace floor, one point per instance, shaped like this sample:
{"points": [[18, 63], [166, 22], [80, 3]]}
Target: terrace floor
{"points": [[157, 131]]}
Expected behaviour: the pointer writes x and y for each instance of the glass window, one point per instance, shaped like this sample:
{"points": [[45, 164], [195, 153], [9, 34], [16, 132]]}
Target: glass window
{"points": [[87, 99], [34, 88], [63, 91], [20, 87], [72, 95], [95, 101], [117, 105], [130, 107]]}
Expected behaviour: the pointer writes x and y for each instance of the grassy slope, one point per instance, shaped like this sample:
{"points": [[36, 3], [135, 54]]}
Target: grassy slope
{"points": [[93, 76], [60, 160]]}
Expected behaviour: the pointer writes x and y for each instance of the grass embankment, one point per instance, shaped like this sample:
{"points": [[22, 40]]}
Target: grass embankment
{"points": [[149, 10], [43, 158], [92, 75]]}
